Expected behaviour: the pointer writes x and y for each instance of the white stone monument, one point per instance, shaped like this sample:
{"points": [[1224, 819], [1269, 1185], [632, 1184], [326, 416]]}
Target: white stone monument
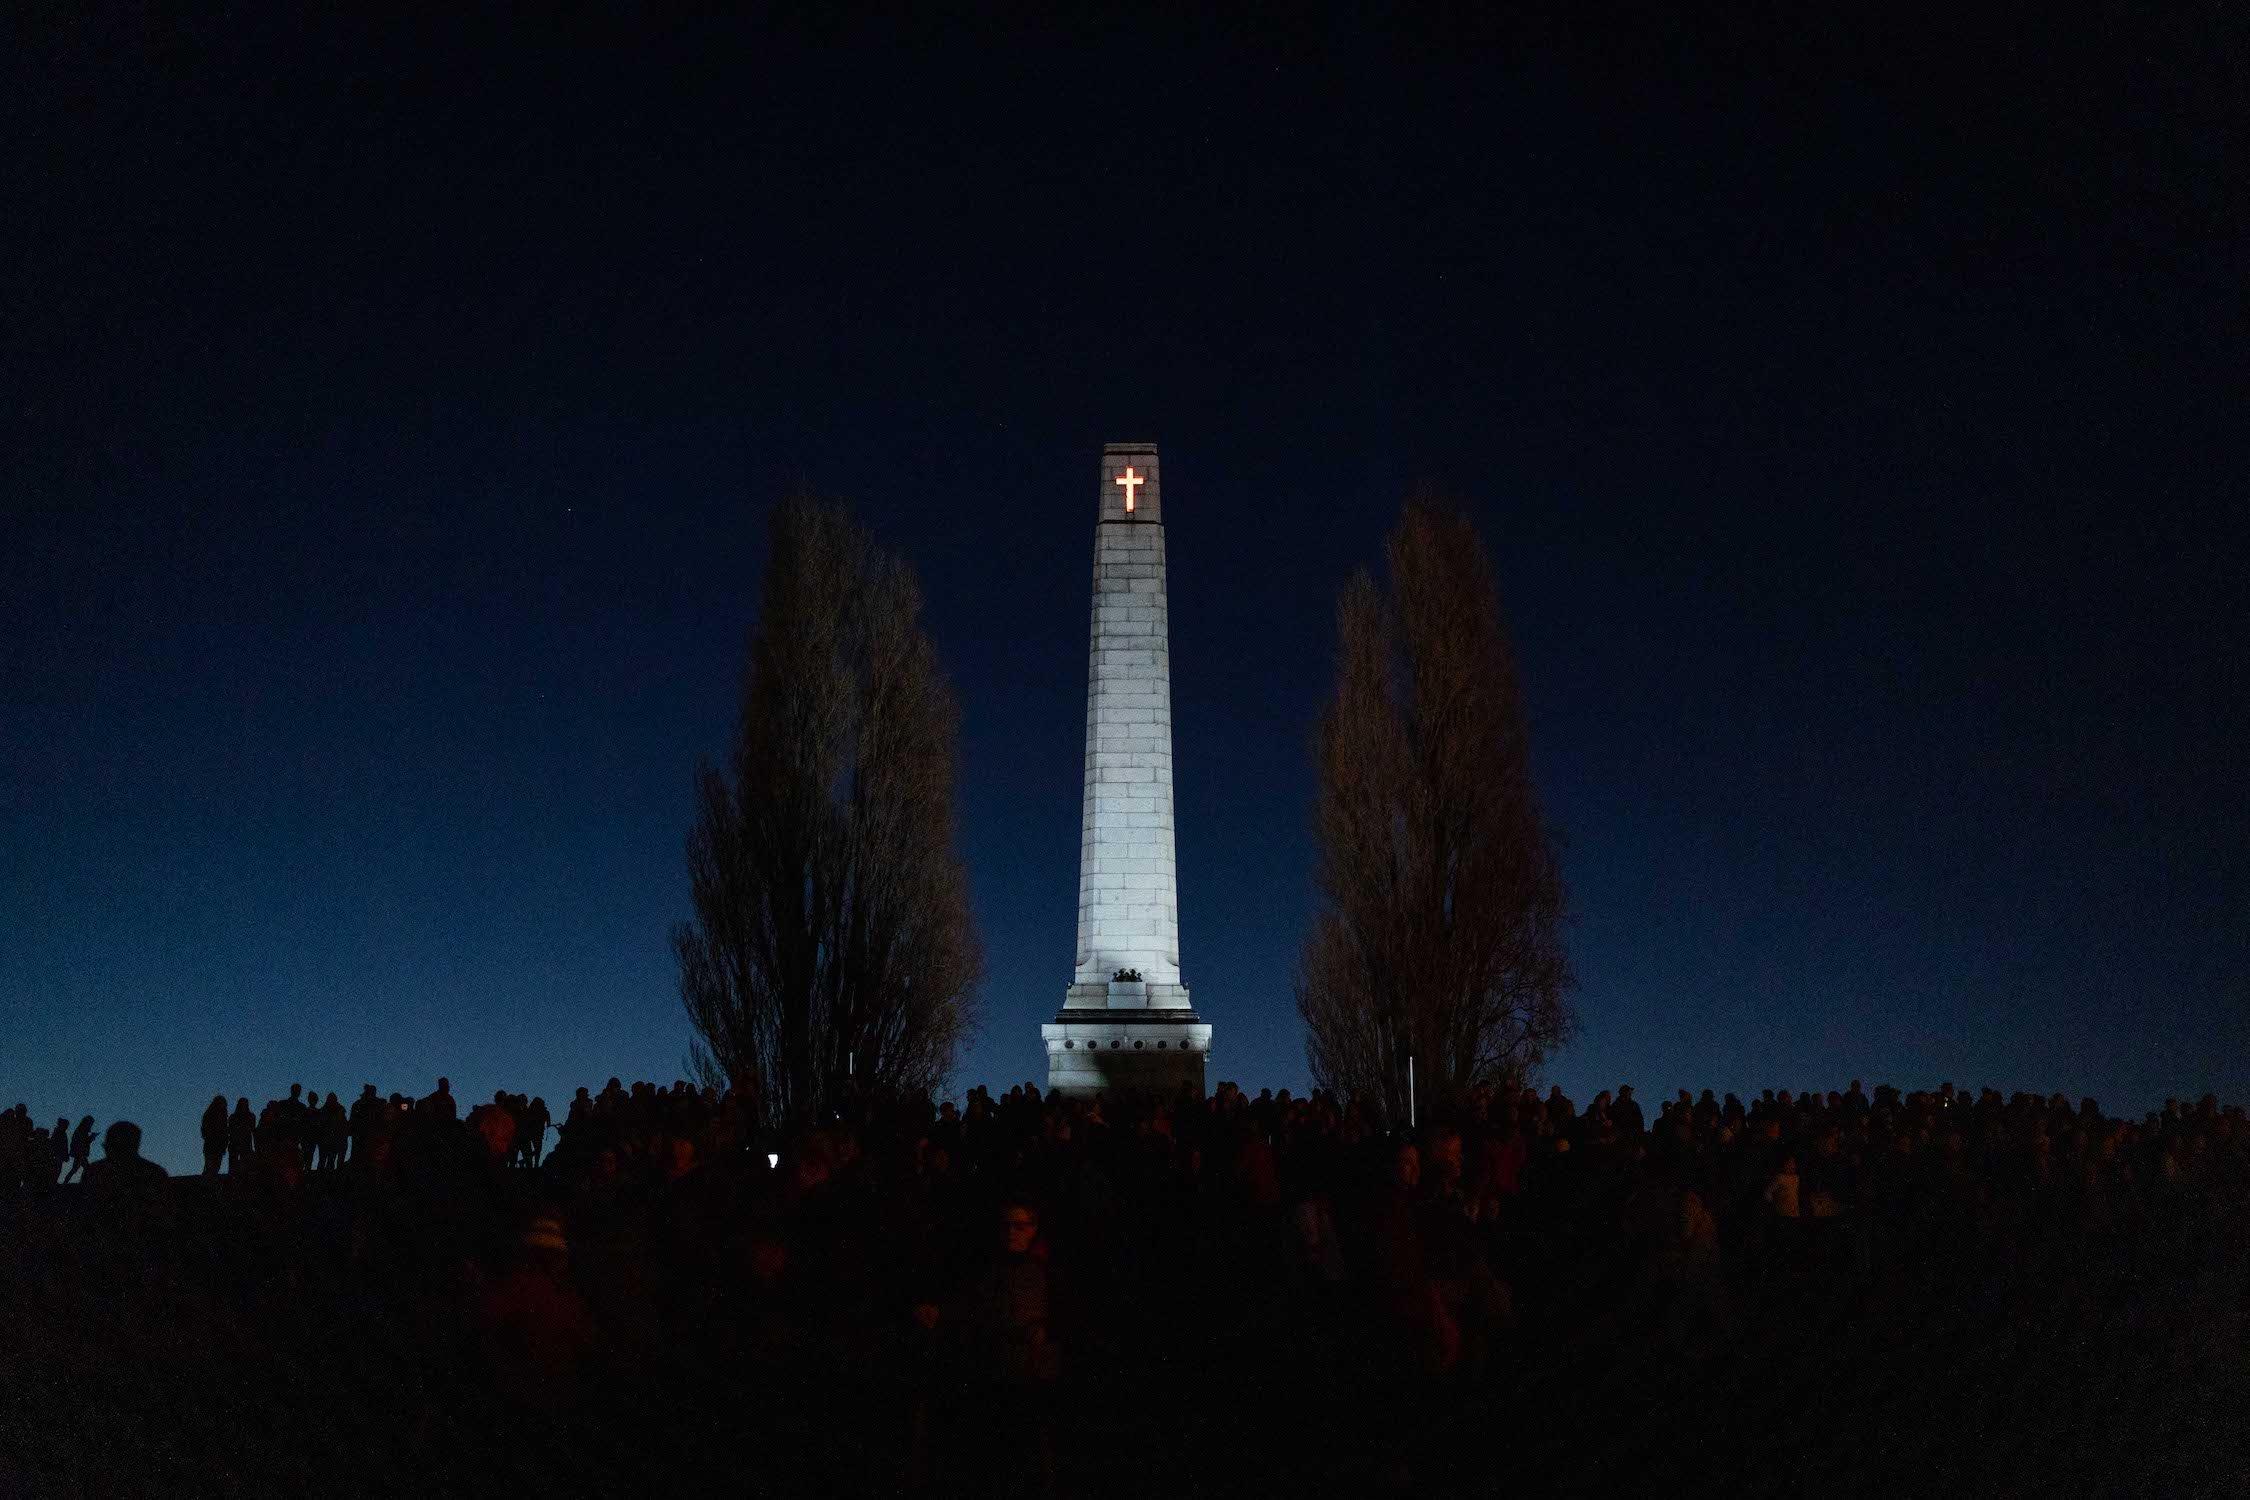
{"points": [[1126, 1022]]}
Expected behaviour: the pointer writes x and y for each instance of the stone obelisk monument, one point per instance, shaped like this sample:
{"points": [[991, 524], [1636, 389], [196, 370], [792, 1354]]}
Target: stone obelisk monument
{"points": [[1126, 1022]]}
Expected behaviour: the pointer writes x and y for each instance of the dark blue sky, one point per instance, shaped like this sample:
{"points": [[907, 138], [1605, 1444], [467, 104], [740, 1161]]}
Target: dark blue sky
{"points": [[391, 415]]}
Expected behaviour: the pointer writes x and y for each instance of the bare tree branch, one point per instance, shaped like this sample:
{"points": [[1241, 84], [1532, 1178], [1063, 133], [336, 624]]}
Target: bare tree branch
{"points": [[1440, 933], [832, 924]]}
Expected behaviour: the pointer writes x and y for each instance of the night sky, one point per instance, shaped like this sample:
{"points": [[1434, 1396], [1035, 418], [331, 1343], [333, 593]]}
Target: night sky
{"points": [[390, 414]]}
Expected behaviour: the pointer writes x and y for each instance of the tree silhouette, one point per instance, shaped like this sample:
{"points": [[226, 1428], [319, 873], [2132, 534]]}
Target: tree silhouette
{"points": [[832, 928], [1440, 932]]}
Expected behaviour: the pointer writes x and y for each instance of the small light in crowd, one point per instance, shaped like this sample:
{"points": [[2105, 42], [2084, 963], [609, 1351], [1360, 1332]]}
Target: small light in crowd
{"points": [[773, 1159]]}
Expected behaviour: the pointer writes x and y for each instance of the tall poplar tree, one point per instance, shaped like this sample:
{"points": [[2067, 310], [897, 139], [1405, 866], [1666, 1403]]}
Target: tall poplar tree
{"points": [[1440, 932], [832, 931]]}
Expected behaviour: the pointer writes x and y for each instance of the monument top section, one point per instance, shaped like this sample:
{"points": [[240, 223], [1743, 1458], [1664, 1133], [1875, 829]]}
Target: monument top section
{"points": [[1132, 489]]}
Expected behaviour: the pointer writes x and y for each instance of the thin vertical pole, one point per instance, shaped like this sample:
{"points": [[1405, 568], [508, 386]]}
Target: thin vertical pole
{"points": [[1413, 1121]]}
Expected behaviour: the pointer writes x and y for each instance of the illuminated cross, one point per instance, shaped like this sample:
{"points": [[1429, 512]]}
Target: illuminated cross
{"points": [[1131, 481]]}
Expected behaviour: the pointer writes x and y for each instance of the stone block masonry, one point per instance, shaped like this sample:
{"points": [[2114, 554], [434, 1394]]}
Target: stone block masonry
{"points": [[1128, 901], [1146, 1033]]}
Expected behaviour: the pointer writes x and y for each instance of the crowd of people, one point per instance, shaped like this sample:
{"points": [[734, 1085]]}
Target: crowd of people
{"points": [[921, 1294], [33, 1158], [321, 1137]]}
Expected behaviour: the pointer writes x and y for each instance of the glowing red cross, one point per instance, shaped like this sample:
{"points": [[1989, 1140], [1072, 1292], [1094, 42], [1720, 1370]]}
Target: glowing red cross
{"points": [[1131, 481]]}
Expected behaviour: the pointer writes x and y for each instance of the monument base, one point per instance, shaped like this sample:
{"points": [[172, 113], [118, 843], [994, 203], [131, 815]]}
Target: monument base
{"points": [[1114, 1051]]}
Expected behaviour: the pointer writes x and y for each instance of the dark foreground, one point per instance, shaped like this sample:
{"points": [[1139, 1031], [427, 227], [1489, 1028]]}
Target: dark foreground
{"points": [[1228, 1297]]}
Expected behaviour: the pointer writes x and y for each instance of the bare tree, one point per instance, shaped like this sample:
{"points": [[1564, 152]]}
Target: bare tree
{"points": [[832, 926], [1440, 933]]}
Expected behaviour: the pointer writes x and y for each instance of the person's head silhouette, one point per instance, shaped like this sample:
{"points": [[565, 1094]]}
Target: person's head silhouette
{"points": [[122, 1141], [1019, 1226], [1445, 1150], [544, 1243]]}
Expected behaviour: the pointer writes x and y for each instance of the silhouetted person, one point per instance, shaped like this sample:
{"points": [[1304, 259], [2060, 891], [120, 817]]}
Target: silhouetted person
{"points": [[1423, 1335], [365, 1121], [306, 1119], [496, 1129], [34, 1156], [1013, 1335], [440, 1105], [1626, 1113], [335, 1131], [1560, 1112], [126, 1187], [1782, 1190], [1697, 1316], [15, 1131], [242, 1138], [81, 1148], [535, 1120], [269, 1125], [574, 1129], [15, 1141], [214, 1134], [535, 1325], [59, 1144], [281, 1123]]}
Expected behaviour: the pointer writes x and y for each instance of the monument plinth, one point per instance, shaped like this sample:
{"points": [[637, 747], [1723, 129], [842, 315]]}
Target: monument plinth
{"points": [[1126, 1022]]}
